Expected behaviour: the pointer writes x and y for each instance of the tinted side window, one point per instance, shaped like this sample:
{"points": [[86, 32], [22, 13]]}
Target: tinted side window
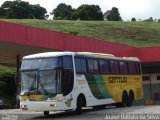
{"points": [[138, 68], [67, 81], [114, 67], [80, 64], [104, 66], [67, 62], [92, 66], [132, 67], [67, 75], [123, 67]]}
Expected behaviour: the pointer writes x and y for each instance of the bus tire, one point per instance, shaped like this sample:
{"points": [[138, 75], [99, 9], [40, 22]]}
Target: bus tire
{"points": [[124, 99], [80, 103], [46, 113], [130, 99]]}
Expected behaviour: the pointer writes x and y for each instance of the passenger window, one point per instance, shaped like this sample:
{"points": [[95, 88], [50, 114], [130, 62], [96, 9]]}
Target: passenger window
{"points": [[114, 67], [67, 62], [93, 66], [80, 65], [138, 70], [103, 66], [132, 67], [123, 67]]}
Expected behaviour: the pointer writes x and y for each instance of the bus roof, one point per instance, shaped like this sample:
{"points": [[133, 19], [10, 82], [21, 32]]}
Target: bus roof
{"points": [[47, 55], [85, 54], [108, 56]]}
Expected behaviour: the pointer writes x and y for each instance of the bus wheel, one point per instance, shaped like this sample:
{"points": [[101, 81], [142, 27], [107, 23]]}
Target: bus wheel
{"points": [[124, 99], [46, 113], [80, 104], [130, 99]]}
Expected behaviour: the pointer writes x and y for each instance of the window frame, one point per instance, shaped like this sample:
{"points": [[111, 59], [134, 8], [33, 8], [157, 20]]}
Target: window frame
{"points": [[117, 61], [108, 62], [146, 76], [126, 62], [137, 67], [88, 71], [78, 57], [62, 61], [131, 72]]}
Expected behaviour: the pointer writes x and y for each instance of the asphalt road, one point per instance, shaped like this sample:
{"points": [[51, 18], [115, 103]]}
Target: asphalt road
{"points": [[112, 113]]}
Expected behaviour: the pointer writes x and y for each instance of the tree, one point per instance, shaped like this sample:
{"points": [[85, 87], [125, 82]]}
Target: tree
{"points": [[37, 12], [21, 10], [113, 15], [149, 20], [4, 8], [106, 14], [63, 12], [2, 13], [133, 19], [16, 9], [88, 12]]}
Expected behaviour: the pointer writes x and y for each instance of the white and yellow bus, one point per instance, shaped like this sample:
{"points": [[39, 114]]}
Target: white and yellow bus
{"points": [[72, 80]]}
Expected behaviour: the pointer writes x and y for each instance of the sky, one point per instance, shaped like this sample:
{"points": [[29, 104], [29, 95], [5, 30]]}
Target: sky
{"points": [[140, 9]]}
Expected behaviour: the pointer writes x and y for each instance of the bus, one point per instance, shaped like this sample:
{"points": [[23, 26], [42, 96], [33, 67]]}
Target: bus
{"points": [[62, 81]]}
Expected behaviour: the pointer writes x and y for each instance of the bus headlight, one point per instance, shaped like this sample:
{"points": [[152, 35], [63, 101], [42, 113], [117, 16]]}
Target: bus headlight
{"points": [[53, 105], [24, 107], [59, 98]]}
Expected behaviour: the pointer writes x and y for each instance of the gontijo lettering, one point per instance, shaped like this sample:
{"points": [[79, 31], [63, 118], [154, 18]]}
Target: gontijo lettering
{"points": [[117, 79]]}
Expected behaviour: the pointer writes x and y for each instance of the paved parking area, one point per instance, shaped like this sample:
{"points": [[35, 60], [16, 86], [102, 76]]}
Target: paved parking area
{"points": [[112, 113]]}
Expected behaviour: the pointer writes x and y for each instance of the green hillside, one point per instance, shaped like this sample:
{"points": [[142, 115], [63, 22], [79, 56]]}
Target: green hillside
{"points": [[137, 34]]}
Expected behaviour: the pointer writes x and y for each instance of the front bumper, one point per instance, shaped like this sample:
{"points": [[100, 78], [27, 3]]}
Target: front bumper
{"points": [[43, 106]]}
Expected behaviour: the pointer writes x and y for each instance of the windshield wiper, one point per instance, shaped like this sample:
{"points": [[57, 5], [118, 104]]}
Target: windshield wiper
{"points": [[27, 70], [32, 86]]}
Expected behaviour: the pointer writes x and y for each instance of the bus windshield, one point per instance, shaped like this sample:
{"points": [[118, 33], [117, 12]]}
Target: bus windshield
{"points": [[41, 63], [40, 82], [47, 76], [39, 75]]}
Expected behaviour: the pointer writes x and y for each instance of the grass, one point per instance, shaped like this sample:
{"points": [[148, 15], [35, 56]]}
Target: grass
{"points": [[138, 34]]}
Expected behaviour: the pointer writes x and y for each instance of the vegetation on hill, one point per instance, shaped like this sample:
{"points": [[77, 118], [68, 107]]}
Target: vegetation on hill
{"points": [[137, 34], [18, 9]]}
